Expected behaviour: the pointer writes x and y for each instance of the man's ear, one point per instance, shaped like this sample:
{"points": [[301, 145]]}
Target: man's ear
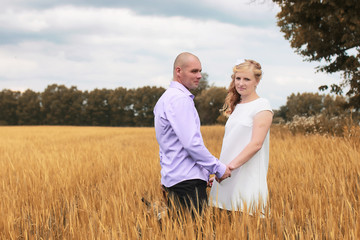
{"points": [[177, 71]]}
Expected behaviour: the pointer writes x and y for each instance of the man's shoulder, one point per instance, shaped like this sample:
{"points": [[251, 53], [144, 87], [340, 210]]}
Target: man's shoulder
{"points": [[174, 94], [170, 97]]}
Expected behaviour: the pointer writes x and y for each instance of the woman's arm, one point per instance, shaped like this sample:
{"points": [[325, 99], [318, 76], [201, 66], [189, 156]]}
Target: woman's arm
{"points": [[261, 125]]}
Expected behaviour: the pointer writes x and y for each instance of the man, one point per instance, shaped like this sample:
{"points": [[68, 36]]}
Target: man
{"points": [[185, 161]]}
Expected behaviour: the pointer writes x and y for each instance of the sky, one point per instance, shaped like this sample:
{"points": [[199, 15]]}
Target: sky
{"points": [[133, 43]]}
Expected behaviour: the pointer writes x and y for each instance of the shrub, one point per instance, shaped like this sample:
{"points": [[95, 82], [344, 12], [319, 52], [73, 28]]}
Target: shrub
{"points": [[340, 125]]}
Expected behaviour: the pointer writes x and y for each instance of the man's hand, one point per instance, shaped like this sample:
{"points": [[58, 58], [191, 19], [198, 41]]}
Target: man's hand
{"points": [[226, 175]]}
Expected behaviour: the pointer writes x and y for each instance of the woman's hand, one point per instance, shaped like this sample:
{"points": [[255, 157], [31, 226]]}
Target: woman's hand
{"points": [[210, 182]]}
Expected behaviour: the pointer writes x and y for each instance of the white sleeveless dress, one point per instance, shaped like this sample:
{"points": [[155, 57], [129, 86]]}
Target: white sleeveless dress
{"points": [[247, 184]]}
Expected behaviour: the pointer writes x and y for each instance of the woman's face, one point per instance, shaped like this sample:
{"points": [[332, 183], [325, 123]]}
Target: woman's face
{"points": [[245, 82]]}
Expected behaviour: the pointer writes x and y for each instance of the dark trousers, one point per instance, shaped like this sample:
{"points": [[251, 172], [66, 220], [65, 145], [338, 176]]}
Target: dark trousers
{"points": [[190, 194]]}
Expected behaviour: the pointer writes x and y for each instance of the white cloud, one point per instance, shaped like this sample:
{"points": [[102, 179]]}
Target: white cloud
{"points": [[282, 80]]}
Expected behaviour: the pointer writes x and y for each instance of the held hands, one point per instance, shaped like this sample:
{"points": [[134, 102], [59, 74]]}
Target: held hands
{"points": [[226, 174]]}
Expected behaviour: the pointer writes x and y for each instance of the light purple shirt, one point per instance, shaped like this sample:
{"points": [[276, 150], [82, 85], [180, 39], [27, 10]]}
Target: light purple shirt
{"points": [[183, 155]]}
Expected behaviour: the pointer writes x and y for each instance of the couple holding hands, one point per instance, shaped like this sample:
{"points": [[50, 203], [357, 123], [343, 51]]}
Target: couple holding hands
{"points": [[186, 163]]}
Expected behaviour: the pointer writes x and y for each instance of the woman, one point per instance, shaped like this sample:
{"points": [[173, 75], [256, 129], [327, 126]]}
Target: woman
{"points": [[245, 146]]}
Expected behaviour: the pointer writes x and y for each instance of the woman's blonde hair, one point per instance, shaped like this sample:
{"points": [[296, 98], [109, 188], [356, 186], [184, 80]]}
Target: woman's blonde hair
{"points": [[233, 97]]}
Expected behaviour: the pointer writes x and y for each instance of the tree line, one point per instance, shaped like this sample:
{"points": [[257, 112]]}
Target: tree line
{"points": [[312, 104], [61, 105]]}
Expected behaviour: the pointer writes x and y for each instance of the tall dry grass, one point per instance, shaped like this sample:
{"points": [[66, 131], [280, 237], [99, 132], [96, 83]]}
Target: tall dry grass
{"points": [[87, 183]]}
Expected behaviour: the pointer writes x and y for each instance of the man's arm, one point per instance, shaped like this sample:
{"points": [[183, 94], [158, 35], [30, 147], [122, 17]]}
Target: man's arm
{"points": [[184, 120]]}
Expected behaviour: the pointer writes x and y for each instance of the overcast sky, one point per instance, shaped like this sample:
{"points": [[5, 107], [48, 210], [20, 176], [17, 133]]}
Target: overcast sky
{"points": [[133, 43]]}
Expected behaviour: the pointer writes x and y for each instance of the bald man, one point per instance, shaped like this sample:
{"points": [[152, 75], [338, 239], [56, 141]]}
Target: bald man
{"points": [[185, 161]]}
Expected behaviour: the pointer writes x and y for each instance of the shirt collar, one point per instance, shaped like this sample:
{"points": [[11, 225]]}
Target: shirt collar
{"points": [[175, 84]]}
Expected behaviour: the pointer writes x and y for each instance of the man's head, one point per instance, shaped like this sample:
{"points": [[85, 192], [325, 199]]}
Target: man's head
{"points": [[187, 70]]}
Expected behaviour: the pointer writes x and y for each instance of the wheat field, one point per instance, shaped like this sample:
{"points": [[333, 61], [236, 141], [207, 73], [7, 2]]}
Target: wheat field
{"points": [[88, 182]]}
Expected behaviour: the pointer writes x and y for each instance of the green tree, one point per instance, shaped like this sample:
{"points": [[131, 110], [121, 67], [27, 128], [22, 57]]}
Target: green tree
{"points": [[52, 105], [209, 103], [74, 100], [280, 115], [305, 104], [144, 100], [8, 106], [98, 109], [122, 111], [327, 31], [62, 105], [28, 108], [334, 105]]}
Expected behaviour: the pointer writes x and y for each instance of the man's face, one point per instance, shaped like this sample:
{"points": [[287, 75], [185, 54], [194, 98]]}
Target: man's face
{"points": [[190, 74]]}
